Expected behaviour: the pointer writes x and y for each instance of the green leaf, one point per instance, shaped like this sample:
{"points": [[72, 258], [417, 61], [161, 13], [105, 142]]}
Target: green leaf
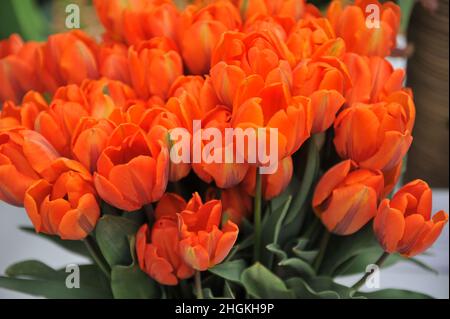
{"points": [[393, 294], [230, 270], [277, 251], [300, 266], [112, 238], [307, 255], [74, 246], [228, 291], [36, 278], [304, 291], [130, 282], [260, 282]]}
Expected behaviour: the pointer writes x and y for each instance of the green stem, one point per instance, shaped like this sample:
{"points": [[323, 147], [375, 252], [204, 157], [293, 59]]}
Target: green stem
{"points": [[257, 216], [322, 248], [363, 279], [198, 285], [93, 249]]}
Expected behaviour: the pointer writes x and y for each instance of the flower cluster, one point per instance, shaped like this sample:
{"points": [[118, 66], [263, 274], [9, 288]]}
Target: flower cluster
{"points": [[87, 121]]}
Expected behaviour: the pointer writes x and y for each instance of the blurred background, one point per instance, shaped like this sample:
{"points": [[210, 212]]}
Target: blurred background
{"points": [[423, 50]]}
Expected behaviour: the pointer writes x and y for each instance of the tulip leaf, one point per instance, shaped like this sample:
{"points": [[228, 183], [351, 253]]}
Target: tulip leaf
{"points": [[112, 238], [303, 291], [320, 288], [277, 251], [299, 265], [393, 294], [74, 246], [36, 278], [228, 291], [230, 270], [260, 282]]}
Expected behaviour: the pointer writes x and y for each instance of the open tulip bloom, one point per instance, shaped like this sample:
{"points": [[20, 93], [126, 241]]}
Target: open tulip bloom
{"points": [[215, 148]]}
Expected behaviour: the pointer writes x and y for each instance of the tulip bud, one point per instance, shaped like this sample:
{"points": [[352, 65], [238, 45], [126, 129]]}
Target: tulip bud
{"points": [[346, 197], [404, 223]]}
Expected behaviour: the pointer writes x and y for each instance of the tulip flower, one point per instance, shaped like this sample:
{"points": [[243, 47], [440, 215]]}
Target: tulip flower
{"points": [[68, 58], [204, 244], [207, 24], [346, 197], [374, 79], [113, 59], [131, 171], [24, 115], [236, 203], [376, 136], [366, 31], [17, 68], [158, 252], [89, 139], [24, 158], [287, 9], [404, 223], [153, 70], [67, 207]]}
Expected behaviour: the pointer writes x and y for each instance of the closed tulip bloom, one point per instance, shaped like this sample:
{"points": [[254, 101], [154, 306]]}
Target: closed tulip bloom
{"points": [[131, 171], [374, 78], [113, 62], [237, 204], [68, 58], [61, 117], [404, 224], [206, 24], [153, 70], [346, 197], [17, 68], [204, 243], [376, 136], [24, 158], [89, 140], [158, 252], [66, 207], [351, 23], [288, 9]]}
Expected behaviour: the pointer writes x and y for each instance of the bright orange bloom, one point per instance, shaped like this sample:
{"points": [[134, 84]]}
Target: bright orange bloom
{"points": [[66, 207], [287, 9], [346, 197], [272, 184], [158, 252], [255, 53], [404, 223], [207, 25], [204, 244], [24, 115], [366, 30], [134, 21], [153, 70], [374, 78], [89, 139], [132, 171], [376, 136], [113, 60], [68, 58], [24, 158], [17, 73]]}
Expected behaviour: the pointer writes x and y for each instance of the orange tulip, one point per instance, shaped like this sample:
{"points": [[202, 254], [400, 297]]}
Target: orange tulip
{"points": [[158, 252], [113, 62], [346, 197], [89, 139], [24, 158], [404, 223], [374, 78], [207, 24], [131, 171], [24, 115], [255, 53], [66, 207], [68, 58], [204, 244], [376, 136], [153, 70], [17, 68], [288, 9], [272, 184], [364, 31]]}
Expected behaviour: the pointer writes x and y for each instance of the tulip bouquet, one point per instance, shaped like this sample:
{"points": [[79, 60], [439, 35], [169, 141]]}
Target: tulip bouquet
{"points": [[118, 149]]}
